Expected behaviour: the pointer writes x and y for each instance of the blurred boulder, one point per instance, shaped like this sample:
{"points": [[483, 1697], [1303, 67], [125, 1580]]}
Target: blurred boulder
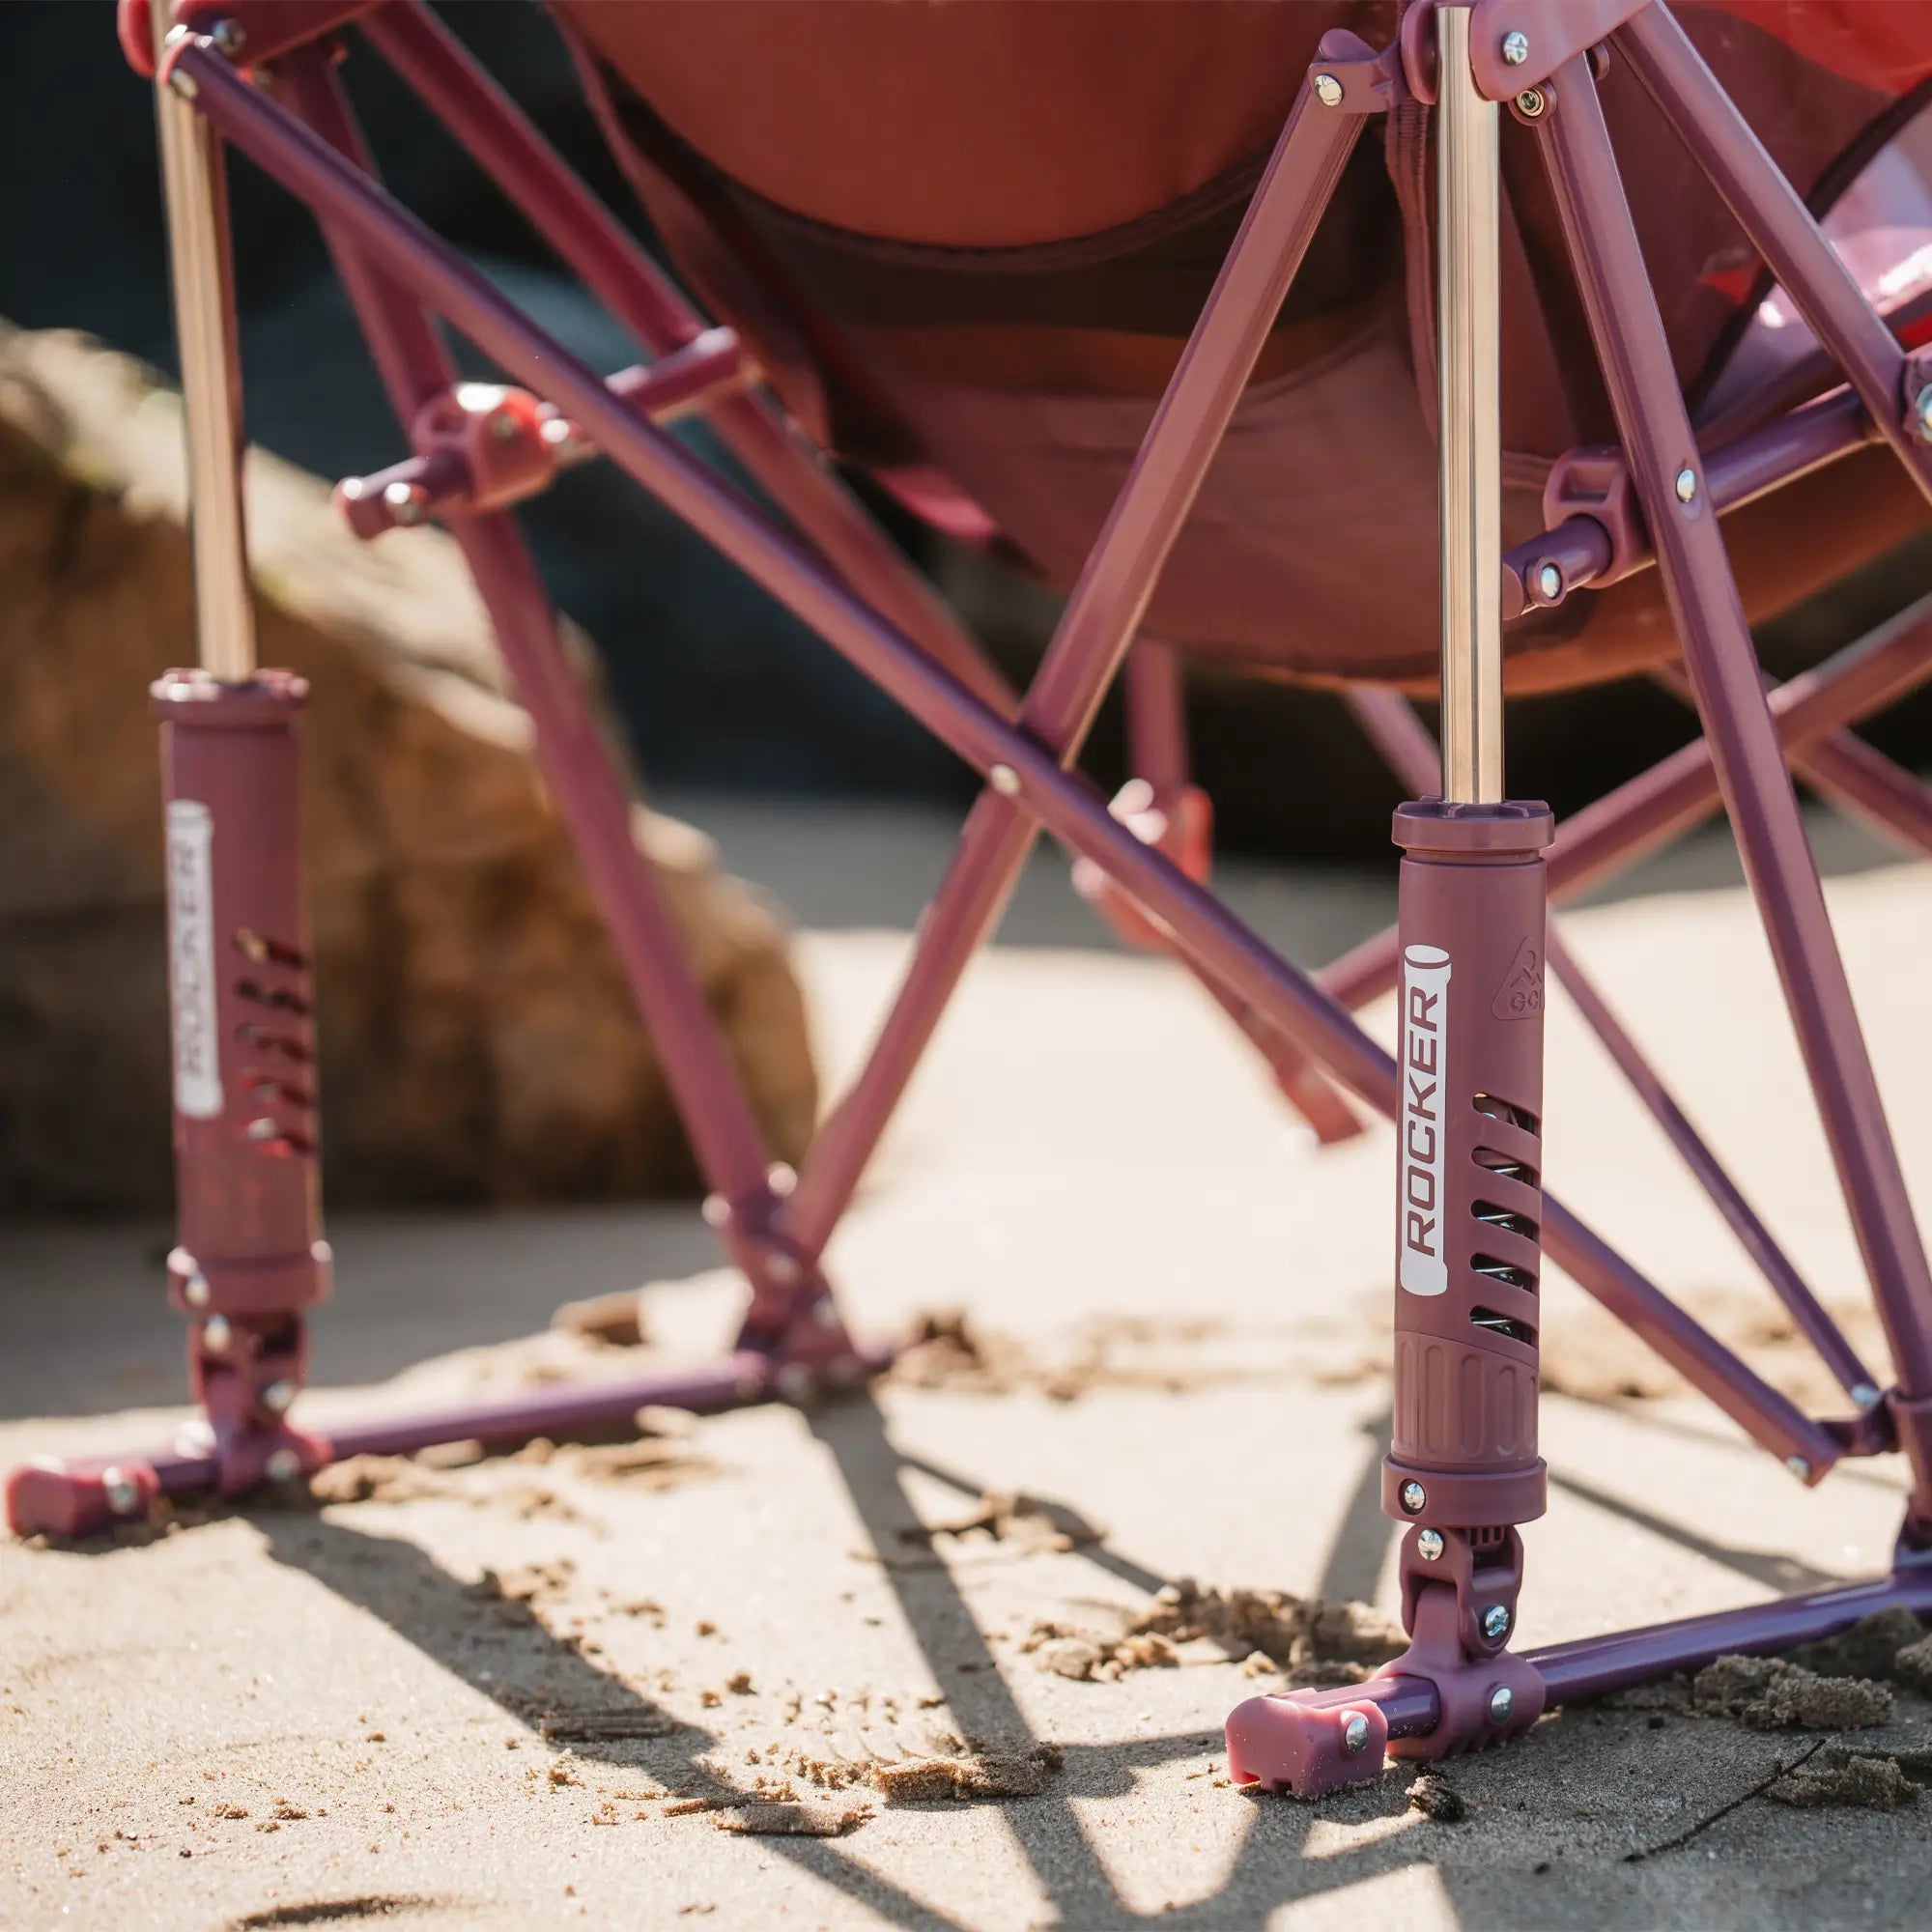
{"points": [[479, 1039]]}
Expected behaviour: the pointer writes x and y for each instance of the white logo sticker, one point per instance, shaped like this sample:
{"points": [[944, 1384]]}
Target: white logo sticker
{"points": [[191, 958], [1422, 1269]]}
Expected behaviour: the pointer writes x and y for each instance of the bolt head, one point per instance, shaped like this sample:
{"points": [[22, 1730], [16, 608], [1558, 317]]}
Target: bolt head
{"points": [[283, 1465], [405, 501], [1413, 1497], [194, 1289], [262, 1128], [122, 1491], [1799, 1467], [229, 36], [277, 1396], [556, 431], [1866, 1395], [1502, 1701], [1515, 47], [1495, 1621], [1921, 411], [1327, 90], [1548, 582], [1003, 780], [1687, 486], [1532, 103], [1429, 1545], [1354, 1732], [216, 1335]]}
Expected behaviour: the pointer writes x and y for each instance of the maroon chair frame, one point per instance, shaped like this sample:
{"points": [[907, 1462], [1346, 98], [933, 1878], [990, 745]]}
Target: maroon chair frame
{"points": [[260, 76]]}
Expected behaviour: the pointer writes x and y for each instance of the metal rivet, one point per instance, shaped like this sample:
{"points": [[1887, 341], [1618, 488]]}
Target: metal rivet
{"points": [[228, 38], [1003, 780], [1532, 103], [283, 1465], [1687, 486], [1413, 1497], [216, 1335], [122, 1491], [277, 1396], [406, 502], [556, 431], [1865, 1396], [1502, 1702], [262, 1128], [195, 1290], [1548, 582], [1921, 409], [1515, 47], [1799, 1467], [1429, 1545], [1354, 1732], [352, 489], [1495, 1621], [1327, 90]]}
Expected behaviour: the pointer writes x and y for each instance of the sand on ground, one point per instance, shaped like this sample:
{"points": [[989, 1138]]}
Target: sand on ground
{"points": [[529, 1690]]}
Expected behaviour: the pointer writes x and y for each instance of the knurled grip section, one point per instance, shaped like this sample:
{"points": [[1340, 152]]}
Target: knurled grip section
{"points": [[1468, 1188], [240, 997]]}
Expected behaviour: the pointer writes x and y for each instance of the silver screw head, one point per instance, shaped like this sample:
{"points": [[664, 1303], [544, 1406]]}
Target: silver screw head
{"points": [[1354, 1732], [1327, 90], [1548, 582], [216, 1335], [1495, 1621], [1687, 486], [405, 501], [1799, 1467], [194, 1289], [1429, 1545], [122, 1491], [1413, 1497], [262, 1128], [1003, 780], [1515, 48], [229, 38], [283, 1465], [1866, 1395], [276, 1397], [556, 431], [1502, 1701]]}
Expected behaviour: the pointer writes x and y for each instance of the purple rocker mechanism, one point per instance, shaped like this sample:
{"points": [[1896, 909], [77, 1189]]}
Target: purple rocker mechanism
{"points": [[1674, 512]]}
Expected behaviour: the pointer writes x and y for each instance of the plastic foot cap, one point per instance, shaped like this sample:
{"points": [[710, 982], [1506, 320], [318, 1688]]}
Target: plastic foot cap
{"points": [[1292, 1743]]}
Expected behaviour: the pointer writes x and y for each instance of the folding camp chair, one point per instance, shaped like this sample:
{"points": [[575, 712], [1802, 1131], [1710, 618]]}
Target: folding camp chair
{"points": [[976, 289]]}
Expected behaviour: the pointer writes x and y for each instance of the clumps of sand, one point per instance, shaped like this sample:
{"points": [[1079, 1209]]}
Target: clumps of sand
{"points": [[1024, 1525], [973, 1777], [610, 1321], [1271, 1632], [1436, 1799], [1772, 1693], [949, 1351], [769, 1818], [1871, 1781]]}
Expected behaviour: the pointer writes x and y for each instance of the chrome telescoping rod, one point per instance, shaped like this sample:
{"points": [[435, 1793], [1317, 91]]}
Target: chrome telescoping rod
{"points": [[194, 190], [1468, 357]]}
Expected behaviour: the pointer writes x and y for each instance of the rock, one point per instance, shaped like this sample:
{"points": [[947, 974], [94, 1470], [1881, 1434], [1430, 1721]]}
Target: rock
{"points": [[478, 1040]]}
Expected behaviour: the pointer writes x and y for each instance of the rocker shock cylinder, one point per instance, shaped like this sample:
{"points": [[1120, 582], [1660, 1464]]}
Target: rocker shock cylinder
{"points": [[250, 1257]]}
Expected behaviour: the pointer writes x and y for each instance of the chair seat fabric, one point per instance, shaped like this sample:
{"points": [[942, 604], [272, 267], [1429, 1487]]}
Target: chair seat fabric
{"points": [[968, 241]]}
